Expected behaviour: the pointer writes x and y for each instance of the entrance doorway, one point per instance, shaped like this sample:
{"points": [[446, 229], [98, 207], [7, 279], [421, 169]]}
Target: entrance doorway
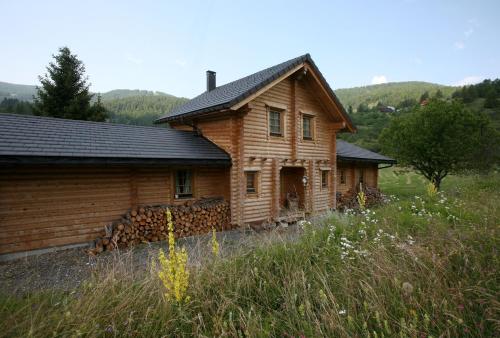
{"points": [[292, 195]]}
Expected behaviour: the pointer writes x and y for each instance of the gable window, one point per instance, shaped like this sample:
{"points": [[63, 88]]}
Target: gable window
{"points": [[251, 178], [275, 122], [324, 179], [183, 184], [307, 125], [342, 176]]}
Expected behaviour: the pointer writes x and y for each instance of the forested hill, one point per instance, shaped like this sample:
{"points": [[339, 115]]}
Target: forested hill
{"points": [[389, 94], [125, 106], [140, 109], [17, 91]]}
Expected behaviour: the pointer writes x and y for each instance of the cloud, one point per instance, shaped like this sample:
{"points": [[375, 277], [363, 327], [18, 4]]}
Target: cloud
{"points": [[473, 21], [468, 32], [134, 60], [459, 45], [180, 62], [379, 79], [468, 80]]}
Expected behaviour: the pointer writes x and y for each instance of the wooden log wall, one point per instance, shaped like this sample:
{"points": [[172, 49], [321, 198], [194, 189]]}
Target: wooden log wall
{"points": [[245, 136], [351, 171], [42, 206]]}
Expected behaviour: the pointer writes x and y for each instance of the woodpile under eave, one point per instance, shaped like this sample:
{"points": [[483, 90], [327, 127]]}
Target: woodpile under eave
{"points": [[149, 223]]}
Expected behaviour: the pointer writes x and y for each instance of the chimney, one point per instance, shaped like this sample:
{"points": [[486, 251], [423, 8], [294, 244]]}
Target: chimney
{"points": [[210, 80]]}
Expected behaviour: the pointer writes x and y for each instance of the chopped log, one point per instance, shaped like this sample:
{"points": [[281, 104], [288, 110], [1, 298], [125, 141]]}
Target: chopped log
{"points": [[149, 224]]}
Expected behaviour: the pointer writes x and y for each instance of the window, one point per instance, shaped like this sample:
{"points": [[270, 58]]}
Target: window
{"points": [[251, 177], [307, 125], [183, 184], [342, 176], [275, 125], [324, 179], [361, 174]]}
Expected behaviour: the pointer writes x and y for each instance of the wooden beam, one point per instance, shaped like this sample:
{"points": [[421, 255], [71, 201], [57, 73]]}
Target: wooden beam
{"points": [[265, 88], [339, 125], [134, 195], [275, 188], [294, 116], [325, 92]]}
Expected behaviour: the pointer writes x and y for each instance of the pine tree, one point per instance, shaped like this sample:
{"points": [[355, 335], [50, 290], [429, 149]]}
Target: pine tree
{"points": [[65, 92], [97, 112], [425, 96]]}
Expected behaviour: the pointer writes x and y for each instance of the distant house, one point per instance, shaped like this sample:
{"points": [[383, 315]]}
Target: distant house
{"points": [[266, 143], [386, 109]]}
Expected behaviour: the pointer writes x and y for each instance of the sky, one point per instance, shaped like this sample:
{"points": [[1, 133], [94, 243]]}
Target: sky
{"points": [[168, 45]]}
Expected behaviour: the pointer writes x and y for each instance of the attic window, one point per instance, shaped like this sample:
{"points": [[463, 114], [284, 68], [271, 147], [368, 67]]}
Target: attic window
{"points": [[275, 122]]}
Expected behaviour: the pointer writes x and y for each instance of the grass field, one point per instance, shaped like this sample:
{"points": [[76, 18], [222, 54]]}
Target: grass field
{"points": [[420, 266], [405, 183]]}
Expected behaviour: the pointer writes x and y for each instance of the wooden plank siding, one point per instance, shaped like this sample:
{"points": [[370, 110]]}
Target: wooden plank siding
{"points": [[52, 206]]}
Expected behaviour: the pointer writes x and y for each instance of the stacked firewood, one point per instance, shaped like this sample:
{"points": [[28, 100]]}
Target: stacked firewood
{"points": [[149, 223], [349, 200]]}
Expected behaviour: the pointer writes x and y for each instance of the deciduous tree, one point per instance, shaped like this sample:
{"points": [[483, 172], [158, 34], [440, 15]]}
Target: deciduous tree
{"points": [[441, 138]]}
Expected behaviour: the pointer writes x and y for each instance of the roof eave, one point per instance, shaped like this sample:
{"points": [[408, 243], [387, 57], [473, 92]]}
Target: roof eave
{"points": [[19, 159], [370, 160]]}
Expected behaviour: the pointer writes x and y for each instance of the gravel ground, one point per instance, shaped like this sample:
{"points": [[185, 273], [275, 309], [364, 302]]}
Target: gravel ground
{"points": [[66, 269]]}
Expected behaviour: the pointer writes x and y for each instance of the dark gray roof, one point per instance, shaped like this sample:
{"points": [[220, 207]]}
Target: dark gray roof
{"points": [[350, 152], [35, 139], [228, 95]]}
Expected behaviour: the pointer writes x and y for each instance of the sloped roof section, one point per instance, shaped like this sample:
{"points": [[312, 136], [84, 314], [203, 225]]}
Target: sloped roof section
{"points": [[226, 96], [349, 152], [34, 139]]}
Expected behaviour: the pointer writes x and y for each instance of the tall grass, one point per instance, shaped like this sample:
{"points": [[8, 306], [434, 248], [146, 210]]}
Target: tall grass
{"points": [[416, 267]]}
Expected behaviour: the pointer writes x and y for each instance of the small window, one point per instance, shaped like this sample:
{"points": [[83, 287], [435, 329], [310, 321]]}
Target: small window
{"points": [[342, 176], [183, 184], [361, 174], [251, 177], [324, 179], [275, 125], [307, 125]]}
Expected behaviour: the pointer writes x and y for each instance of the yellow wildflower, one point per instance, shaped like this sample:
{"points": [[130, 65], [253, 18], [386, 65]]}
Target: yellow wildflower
{"points": [[215, 244], [173, 269]]}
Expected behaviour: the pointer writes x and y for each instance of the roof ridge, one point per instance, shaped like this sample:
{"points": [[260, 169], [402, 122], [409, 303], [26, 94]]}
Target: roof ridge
{"points": [[229, 93], [305, 56]]}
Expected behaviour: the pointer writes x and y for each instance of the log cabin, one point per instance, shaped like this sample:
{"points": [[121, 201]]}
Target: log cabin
{"points": [[266, 143]]}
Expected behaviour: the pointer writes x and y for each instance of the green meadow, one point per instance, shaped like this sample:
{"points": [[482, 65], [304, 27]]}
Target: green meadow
{"points": [[421, 265]]}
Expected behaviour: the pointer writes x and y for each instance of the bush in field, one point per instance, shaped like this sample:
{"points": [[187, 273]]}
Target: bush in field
{"points": [[442, 138]]}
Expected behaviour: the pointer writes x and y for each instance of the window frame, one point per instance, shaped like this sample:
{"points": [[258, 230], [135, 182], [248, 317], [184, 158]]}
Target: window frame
{"points": [[342, 177], [325, 179], [255, 174], [183, 196], [281, 112], [310, 118], [361, 176]]}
